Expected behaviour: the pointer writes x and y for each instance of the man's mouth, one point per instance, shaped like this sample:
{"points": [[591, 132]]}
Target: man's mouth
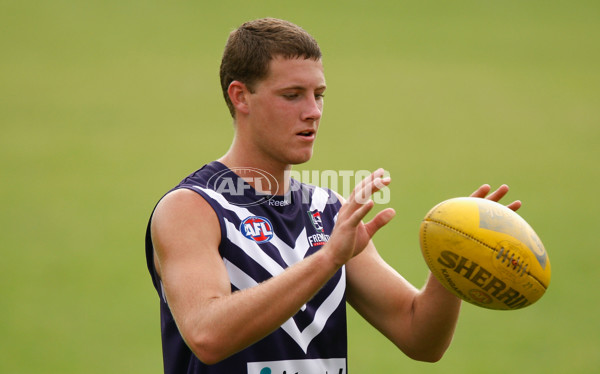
{"points": [[306, 133]]}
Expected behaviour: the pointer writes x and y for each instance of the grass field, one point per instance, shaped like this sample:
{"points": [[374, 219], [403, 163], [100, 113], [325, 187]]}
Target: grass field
{"points": [[104, 105]]}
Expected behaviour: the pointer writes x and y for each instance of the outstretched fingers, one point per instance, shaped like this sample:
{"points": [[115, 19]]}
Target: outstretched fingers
{"points": [[359, 189], [359, 202], [498, 194], [514, 205], [482, 192], [360, 212], [350, 234], [381, 219], [368, 186]]}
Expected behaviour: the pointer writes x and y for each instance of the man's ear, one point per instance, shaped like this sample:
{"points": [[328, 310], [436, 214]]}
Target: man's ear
{"points": [[238, 94]]}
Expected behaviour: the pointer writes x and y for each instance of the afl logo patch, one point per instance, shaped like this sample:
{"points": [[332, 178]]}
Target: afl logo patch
{"points": [[258, 229]]}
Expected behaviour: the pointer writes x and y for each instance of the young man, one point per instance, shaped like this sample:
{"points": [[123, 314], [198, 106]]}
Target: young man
{"points": [[244, 285]]}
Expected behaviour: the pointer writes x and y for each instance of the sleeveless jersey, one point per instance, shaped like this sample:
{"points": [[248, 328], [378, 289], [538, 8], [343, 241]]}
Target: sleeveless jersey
{"points": [[262, 235]]}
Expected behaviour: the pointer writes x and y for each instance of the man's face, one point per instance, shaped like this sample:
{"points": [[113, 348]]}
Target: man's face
{"points": [[285, 110]]}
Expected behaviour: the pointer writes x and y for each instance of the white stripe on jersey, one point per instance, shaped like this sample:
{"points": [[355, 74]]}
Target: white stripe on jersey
{"points": [[292, 255], [303, 338], [319, 199], [325, 310]]}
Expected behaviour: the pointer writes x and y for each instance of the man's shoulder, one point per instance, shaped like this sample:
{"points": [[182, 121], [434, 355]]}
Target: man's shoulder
{"points": [[204, 175], [183, 200]]}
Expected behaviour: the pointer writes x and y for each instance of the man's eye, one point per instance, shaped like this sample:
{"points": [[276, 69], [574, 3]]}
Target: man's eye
{"points": [[319, 96], [290, 96]]}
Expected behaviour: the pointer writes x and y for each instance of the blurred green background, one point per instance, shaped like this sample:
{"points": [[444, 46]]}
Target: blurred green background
{"points": [[104, 105]]}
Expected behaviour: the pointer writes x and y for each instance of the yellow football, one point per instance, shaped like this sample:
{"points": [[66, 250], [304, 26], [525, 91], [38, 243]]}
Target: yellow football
{"points": [[485, 253]]}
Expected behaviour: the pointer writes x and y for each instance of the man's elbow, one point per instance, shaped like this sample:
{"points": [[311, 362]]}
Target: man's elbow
{"points": [[208, 348], [427, 357], [427, 354]]}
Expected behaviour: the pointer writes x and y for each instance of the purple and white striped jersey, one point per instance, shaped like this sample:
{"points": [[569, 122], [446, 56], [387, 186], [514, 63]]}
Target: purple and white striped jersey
{"points": [[262, 235]]}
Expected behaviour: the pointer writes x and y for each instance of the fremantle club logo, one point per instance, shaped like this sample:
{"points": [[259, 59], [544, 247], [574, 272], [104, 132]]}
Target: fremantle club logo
{"points": [[320, 238], [258, 229], [315, 218]]}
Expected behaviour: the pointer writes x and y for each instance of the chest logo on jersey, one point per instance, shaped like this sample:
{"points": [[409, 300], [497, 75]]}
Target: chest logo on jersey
{"points": [[320, 238], [315, 218], [256, 228]]}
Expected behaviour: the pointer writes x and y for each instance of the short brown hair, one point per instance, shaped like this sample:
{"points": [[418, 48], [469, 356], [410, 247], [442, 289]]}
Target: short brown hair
{"points": [[254, 44]]}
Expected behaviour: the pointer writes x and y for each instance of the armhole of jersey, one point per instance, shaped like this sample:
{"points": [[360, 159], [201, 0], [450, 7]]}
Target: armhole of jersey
{"points": [[337, 203]]}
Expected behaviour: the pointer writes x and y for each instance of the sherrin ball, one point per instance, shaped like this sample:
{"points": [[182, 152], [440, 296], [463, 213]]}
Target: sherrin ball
{"points": [[485, 253]]}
